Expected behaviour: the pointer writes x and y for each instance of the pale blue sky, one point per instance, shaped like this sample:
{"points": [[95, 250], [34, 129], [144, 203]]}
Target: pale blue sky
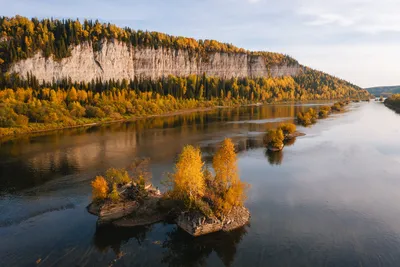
{"points": [[357, 40]]}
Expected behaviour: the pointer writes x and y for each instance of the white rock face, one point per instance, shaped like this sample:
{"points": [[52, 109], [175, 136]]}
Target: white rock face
{"points": [[117, 61]]}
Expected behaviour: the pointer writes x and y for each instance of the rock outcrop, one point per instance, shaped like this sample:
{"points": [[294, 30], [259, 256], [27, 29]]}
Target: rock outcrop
{"points": [[196, 224], [115, 60]]}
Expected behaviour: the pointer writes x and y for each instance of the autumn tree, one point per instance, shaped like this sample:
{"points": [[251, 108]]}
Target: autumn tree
{"points": [[287, 128], [117, 176], [324, 111], [274, 139], [227, 191], [141, 174], [99, 188], [114, 195], [188, 179]]}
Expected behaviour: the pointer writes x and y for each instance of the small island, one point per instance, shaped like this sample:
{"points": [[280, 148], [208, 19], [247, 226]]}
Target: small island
{"points": [[197, 200], [276, 139], [311, 116], [392, 102]]}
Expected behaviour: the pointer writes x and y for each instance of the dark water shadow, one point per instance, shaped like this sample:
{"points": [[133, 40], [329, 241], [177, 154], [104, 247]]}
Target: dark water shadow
{"points": [[184, 250], [274, 158], [112, 237], [290, 141]]}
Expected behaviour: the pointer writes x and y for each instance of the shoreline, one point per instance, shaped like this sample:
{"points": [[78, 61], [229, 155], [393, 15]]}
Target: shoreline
{"points": [[391, 107], [99, 123], [25, 132]]}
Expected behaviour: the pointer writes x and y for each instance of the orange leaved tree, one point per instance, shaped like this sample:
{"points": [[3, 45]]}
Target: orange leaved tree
{"points": [[227, 191], [188, 179], [99, 188]]}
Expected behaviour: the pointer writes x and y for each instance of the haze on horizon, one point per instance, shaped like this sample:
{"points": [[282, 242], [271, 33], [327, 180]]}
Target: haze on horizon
{"points": [[356, 40]]}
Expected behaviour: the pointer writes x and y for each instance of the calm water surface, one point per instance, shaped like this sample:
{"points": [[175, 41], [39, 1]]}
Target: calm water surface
{"points": [[330, 199]]}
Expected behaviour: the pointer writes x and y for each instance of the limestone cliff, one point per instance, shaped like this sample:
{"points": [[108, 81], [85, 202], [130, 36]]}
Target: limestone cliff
{"points": [[117, 61]]}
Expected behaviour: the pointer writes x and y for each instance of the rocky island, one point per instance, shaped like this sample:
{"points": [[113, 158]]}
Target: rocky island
{"points": [[197, 201]]}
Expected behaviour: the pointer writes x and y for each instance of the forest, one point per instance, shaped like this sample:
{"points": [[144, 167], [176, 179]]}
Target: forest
{"points": [[392, 102], [28, 105], [21, 38]]}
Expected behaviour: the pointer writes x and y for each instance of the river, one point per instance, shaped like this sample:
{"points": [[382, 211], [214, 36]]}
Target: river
{"points": [[330, 199]]}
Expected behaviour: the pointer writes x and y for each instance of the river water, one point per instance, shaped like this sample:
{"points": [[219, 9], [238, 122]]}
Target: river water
{"points": [[330, 199]]}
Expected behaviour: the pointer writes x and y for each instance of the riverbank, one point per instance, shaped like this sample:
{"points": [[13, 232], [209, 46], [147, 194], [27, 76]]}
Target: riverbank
{"points": [[39, 128], [391, 106], [36, 128]]}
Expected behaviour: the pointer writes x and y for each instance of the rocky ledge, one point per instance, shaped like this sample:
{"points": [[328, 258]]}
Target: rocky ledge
{"points": [[294, 135], [196, 224], [134, 208], [275, 149], [131, 212]]}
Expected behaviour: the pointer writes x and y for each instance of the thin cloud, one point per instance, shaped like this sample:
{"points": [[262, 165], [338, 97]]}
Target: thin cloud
{"points": [[327, 35]]}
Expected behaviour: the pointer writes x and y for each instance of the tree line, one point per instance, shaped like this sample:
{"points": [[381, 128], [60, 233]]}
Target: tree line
{"points": [[21, 38], [67, 103]]}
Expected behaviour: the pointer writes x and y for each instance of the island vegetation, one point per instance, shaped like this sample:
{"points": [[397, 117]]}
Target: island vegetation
{"points": [[199, 201], [30, 105], [276, 139], [393, 102], [310, 116]]}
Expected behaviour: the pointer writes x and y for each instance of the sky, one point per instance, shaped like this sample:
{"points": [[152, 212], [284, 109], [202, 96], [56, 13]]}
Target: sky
{"points": [[357, 40]]}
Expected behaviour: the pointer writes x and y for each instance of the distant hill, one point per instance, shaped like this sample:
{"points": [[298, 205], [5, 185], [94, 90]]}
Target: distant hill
{"points": [[384, 90]]}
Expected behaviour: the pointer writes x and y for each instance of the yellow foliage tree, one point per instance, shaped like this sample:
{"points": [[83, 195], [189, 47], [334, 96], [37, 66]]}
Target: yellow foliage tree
{"points": [[117, 176], [188, 179], [224, 164], [287, 128], [114, 195], [99, 188], [227, 191], [72, 94]]}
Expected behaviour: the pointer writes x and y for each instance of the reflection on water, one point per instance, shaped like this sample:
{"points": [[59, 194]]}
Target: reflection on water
{"points": [[274, 158], [38, 159], [179, 248], [113, 237], [185, 250], [335, 202]]}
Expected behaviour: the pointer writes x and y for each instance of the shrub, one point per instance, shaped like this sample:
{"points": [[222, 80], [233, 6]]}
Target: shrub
{"points": [[140, 171], [94, 112], [336, 107], [22, 120], [114, 195], [117, 176], [287, 128], [274, 138], [99, 188], [324, 111], [76, 110], [307, 118]]}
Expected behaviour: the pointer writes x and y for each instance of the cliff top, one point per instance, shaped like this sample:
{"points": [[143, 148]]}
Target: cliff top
{"points": [[21, 38]]}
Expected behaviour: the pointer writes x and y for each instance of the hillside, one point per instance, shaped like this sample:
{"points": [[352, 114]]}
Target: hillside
{"points": [[64, 73], [384, 90]]}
